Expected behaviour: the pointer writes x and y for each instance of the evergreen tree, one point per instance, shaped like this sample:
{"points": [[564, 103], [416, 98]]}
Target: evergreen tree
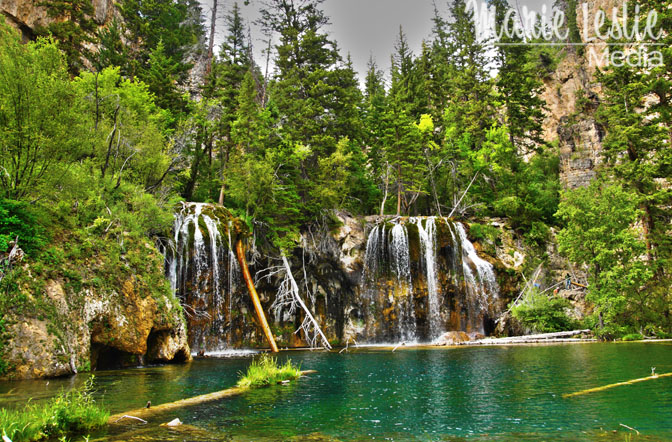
{"points": [[177, 24], [111, 51], [403, 147], [73, 28], [637, 113], [519, 86], [161, 77], [314, 91]]}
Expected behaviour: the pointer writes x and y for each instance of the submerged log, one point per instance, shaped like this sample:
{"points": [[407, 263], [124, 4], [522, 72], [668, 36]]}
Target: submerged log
{"points": [[196, 400], [240, 253], [618, 384]]}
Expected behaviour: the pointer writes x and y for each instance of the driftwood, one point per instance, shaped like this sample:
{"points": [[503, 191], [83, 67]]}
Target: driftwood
{"points": [[618, 384], [126, 416], [533, 339], [196, 400], [240, 253]]}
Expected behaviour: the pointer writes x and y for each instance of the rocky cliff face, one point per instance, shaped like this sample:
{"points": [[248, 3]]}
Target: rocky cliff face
{"points": [[27, 15], [61, 325], [572, 95]]}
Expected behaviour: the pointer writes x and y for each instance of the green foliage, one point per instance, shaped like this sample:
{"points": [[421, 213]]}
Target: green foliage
{"points": [[483, 231], [266, 371], [18, 219], [543, 314], [632, 337], [70, 413], [600, 232], [41, 124]]}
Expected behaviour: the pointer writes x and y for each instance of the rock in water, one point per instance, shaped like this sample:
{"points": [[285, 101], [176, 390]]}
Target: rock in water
{"points": [[452, 338]]}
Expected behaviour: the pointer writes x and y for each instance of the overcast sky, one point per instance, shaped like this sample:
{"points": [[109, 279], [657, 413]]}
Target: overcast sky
{"points": [[363, 27]]}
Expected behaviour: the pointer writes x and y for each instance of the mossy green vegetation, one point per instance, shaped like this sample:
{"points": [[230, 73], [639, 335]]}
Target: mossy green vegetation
{"points": [[632, 337], [266, 371], [542, 313], [71, 413]]}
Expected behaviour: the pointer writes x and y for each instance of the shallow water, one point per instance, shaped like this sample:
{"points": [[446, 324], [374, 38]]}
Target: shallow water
{"points": [[483, 393]]}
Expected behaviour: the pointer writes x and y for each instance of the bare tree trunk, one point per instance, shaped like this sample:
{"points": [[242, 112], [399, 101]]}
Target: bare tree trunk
{"points": [[310, 321], [398, 189], [240, 253], [387, 183], [211, 43], [433, 183]]}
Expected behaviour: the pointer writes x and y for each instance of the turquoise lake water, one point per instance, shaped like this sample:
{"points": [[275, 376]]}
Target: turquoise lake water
{"points": [[466, 393]]}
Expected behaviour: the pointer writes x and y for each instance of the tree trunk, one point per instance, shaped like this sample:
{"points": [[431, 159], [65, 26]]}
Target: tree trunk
{"points": [[240, 253], [387, 184], [398, 189], [211, 43]]}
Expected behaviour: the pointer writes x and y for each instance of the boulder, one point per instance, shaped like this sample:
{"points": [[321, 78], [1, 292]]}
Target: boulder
{"points": [[452, 338]]}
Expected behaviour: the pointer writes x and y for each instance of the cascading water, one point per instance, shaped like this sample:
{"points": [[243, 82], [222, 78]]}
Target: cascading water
{"points": [[401, 261], [427, 236], [461, 286], [203, 271]]}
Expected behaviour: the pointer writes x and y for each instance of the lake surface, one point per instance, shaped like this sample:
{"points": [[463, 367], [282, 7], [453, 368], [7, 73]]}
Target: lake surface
{"points": [[466, 393]]}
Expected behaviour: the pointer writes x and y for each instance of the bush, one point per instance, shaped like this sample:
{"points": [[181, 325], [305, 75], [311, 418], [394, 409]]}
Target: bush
{"points": [[265, 371], [483, 231], [19, 219], [69, 413], [543, 314], [632, 337]]}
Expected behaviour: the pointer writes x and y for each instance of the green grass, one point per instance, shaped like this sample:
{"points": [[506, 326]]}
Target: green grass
{"points": [[70, 413], [632, 337], [266, 371]]}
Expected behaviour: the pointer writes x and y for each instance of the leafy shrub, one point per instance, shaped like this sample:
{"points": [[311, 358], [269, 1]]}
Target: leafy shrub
{"points": [[483, 231], [19, 219], [266, 371], [543, 314], [69, 413], [632, 337]]}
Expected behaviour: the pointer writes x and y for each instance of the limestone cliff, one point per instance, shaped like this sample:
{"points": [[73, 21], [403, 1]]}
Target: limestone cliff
{"points": [[27, 15], [572, 94], [69, 319]]}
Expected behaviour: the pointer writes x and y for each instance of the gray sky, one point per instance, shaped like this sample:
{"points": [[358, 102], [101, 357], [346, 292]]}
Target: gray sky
{"points": [[363, 27]]}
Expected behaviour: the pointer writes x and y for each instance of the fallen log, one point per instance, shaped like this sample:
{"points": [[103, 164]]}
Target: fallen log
{"points": [[526, 341], [618, 384], [143, 413], [240, 253]]}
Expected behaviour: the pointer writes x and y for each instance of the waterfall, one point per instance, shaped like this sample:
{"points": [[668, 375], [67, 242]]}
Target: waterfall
{"points": [[484, 283], [428, 249], [461, 286], [400, 256], [204, 273]]}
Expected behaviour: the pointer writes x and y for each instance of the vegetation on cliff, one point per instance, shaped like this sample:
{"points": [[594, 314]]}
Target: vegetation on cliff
{"points": [[83, 187], [96, 147]]}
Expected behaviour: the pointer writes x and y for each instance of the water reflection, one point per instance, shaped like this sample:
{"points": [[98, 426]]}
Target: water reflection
{"points": [[411, 394]]}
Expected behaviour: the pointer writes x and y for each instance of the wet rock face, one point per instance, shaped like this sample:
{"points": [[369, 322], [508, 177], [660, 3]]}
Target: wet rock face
{"points": [[411, 282]]}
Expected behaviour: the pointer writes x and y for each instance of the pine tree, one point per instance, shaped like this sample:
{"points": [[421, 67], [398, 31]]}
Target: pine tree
{"points": [[314, 91], [402, 142], [519, 86], [637, 114], [161, 77], [111, 51], [74, 29]]}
